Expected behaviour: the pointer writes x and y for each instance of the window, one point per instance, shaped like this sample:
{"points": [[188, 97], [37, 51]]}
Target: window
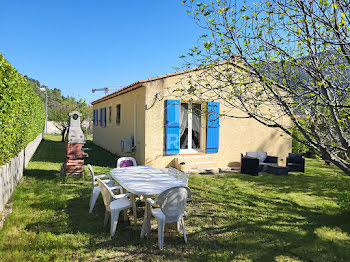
{"points": [[96, 117], [110, 114], [183, 127], [105, 117], [118, 114], [190, 126], [101, 116]]}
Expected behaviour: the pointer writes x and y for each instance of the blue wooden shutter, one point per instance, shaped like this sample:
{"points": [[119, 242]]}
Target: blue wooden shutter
{"points": [[94, 117], [100, 116], [213, 127], [172, 128], [105, 117]]}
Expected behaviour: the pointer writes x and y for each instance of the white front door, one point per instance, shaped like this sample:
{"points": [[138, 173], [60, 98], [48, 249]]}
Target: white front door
{"points": [[190, 128]]}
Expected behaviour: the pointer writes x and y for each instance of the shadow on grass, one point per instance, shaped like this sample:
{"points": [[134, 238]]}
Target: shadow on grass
{"points": [[41, 174], [319, 179], [245, 228], [54, 152], [249, 229], [99, 156], [231, 216], [50, 151]]}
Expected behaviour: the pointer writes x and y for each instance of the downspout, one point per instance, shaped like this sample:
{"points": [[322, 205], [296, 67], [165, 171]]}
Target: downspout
{"points": [[134, 147]]}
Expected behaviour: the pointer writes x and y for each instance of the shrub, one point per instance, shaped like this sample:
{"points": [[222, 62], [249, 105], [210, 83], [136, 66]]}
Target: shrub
{"points": [[22, 113]]}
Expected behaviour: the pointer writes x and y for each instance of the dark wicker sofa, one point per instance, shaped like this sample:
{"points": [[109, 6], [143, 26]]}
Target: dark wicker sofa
{"points": [[255, 162]]}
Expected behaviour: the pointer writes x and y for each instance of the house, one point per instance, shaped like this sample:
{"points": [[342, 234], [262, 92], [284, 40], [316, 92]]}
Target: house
{"points": [[147, 121]]}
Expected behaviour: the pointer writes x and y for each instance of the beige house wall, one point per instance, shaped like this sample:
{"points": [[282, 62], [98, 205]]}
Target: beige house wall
{"points": [[236, 136], [109, 137]]}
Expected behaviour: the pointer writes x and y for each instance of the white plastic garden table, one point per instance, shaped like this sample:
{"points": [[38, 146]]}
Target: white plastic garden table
{"points": [[145, 181]]}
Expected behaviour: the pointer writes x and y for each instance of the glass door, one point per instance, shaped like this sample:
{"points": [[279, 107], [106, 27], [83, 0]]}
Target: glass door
{"points": [[190, 128]]}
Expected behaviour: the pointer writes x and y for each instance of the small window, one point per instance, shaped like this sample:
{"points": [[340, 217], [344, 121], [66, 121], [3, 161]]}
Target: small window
{"points": [[118, 114], [96, 122], [110, 114], [105, 117], [101, 116]]}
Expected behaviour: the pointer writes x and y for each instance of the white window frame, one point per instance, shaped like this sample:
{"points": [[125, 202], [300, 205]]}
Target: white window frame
{"points": [[189, 149]]}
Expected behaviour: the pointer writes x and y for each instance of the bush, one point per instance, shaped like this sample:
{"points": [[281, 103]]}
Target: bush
{"points": [[22, 113]]}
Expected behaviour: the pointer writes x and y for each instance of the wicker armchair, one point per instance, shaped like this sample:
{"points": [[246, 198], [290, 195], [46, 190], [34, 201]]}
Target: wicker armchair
{"points": [[296, 162]]}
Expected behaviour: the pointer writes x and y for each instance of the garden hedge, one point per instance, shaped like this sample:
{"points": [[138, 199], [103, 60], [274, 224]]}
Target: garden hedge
{"points": [[22, 113]]}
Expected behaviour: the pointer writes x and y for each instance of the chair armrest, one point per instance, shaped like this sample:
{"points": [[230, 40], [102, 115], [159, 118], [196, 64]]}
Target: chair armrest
{"points": [[115, 197], [295, 160], [103, 176], [250, 161], [271, 159], [249, 165], [151, 201], [115, 187], [109, 182]]}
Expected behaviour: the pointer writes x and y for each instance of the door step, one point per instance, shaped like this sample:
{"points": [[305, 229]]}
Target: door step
{"points": [[184, 163], [209, 170], [195, 165], [212, 170]]}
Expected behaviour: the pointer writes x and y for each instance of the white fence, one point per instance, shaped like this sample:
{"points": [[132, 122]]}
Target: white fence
{"points": [[11, 173]]}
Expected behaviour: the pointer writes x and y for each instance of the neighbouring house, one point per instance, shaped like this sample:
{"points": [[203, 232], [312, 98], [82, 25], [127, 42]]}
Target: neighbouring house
{"points": [[146, 120]]}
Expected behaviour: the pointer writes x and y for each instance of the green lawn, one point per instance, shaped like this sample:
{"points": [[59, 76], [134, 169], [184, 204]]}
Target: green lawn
{"points": [[233, 217]]}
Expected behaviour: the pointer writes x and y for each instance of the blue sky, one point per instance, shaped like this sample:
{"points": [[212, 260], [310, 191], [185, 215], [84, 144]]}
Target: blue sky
{"points": [[78, 45]]}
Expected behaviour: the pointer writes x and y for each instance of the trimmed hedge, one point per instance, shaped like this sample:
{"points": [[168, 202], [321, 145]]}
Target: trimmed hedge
{"points": [[22, 113]]}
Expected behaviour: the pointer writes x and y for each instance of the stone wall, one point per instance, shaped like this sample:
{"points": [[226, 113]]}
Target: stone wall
{"points": [[12, 172]]}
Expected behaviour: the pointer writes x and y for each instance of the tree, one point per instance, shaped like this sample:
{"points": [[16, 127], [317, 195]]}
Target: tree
{"points": [[293, 55], [60, 108]]}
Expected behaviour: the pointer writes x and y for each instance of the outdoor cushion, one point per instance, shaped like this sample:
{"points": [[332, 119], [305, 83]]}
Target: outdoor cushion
{"points": [[259, 155], [126, 163]]}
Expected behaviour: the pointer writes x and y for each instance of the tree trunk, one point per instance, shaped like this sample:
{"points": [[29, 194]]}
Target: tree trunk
{"points": [[63, 132], [333, 158]]}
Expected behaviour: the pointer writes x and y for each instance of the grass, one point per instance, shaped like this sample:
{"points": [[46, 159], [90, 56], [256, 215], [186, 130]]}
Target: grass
{"points": [[233, 217]]}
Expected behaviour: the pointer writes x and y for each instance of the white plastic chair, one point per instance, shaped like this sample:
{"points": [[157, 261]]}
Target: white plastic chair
{"points": [[178, 175], [182, 177], [114, 204], [172, 206], [96, 189], [126, 160]]}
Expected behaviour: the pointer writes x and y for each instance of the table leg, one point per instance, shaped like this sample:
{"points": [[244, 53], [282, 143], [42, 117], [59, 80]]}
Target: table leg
{"points": [[134, 208], [146, 226], [125, 213]]}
